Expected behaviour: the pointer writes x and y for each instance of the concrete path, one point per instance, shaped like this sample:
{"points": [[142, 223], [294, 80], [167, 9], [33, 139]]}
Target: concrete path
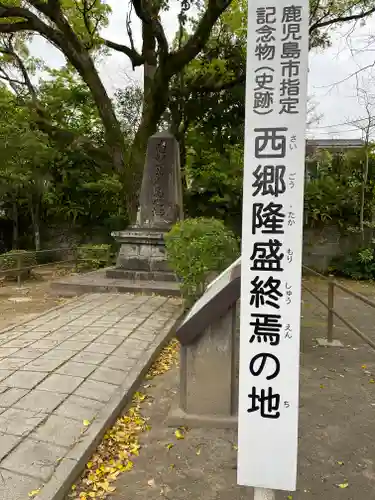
{"points": [[64, 377]]}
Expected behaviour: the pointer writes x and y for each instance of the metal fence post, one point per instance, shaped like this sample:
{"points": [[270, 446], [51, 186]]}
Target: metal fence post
{"points": [[331, 303], [19, 271]]}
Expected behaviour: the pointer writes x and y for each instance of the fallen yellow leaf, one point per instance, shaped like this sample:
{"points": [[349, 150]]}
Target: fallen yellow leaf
{"points": [[169, 446], [371, 381], [179, 434], [340, 463], [89, 465], [364, 367], [343, 485], [198, 452], [289, 497], [33, 493], [86, 423]]}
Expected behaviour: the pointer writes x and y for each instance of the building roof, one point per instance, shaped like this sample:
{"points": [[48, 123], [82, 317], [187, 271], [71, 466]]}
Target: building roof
{"points": [[334, 143]]}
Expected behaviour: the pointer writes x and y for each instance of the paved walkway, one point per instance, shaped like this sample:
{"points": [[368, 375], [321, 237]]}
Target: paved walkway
{"points": [[63, 375]]}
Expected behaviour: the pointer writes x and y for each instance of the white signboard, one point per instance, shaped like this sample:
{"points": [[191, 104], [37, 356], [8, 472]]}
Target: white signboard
{"points": [[276, 87]]}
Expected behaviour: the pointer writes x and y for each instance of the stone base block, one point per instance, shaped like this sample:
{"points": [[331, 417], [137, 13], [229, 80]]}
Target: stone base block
{"points": [[125, 274], [325, 343], [142, 250], [178, 418]]}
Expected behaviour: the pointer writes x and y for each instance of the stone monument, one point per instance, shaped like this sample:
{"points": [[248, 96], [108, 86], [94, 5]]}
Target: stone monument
{"points": [[142, 255]]}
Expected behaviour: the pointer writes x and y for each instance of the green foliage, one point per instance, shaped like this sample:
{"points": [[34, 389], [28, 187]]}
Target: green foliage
{"points": [[70, 103], [198, 248], [333, 188], [90, 257], [50, 184], [129, 108], [327, 200], [215, 182], [333, 10], [58, 178], [358, 265], [17, 259], [87, 18]]}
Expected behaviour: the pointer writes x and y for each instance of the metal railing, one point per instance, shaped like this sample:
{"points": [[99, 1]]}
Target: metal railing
{"points": [[72, 257], [330, 305]]}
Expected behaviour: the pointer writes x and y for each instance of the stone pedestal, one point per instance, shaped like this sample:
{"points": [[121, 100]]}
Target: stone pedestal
{"points": [[142, 255]]}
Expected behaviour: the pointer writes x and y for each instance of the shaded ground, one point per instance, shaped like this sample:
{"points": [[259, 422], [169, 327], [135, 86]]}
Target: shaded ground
{"points": [[34, 297], [337, 431]]}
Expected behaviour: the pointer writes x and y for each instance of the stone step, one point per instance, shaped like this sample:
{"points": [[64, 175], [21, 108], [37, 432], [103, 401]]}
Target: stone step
{"points": [[125, 274], [98, 282]]}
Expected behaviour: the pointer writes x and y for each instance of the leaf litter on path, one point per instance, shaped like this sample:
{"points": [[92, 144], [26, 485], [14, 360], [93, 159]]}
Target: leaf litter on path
{"points": [[121, 444]]}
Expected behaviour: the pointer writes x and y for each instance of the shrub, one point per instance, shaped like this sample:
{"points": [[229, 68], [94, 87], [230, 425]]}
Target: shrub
{"points": [[358, 265], [18, 258], [93, 257], [198, 248], [15, 258]]}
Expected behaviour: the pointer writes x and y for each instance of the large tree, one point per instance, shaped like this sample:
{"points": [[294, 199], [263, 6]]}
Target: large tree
{"points": [[73, 26]]}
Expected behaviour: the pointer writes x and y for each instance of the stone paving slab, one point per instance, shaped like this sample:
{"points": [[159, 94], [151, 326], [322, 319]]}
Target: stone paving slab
{"points": [[78, 362]]}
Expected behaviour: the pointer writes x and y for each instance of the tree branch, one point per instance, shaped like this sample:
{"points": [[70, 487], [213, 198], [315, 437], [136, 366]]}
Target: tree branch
{"points": [[32, 23], [136, 58], [314, 10], [9, 50], [146, 17], [26, 80], [178, 60], [343, 19], [129, 30], [15, 27], [12, 81], [211, 86], [49, 9]]}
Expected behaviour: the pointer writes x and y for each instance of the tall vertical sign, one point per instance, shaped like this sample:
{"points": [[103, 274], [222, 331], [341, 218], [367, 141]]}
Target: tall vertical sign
{"points": [[276, 88]]}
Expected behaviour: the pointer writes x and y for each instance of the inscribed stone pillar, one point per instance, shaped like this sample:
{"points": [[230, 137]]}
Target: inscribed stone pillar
{"points": [[142, 253], [161, 191]]}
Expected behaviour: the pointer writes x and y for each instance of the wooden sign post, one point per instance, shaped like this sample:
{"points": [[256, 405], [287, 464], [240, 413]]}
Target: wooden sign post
{"points": [[276, 90]]}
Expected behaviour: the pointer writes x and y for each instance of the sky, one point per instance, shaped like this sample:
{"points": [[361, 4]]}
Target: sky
{"points": [[331, 87]]}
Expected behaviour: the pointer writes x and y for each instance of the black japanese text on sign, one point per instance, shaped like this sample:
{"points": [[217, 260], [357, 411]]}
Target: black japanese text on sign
{"points": [[272, 232]]}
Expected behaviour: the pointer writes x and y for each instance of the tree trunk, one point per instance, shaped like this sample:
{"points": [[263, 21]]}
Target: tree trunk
{"points": [[35, 223], [154, 104], [15, 226], [155, 100], [112, 129]]}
